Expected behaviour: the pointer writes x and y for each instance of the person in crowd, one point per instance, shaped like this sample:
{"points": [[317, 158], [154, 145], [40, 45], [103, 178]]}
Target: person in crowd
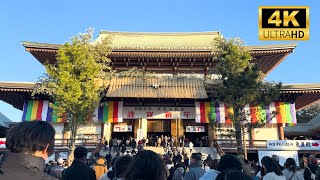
{"points": [[29, 144], [119, 167], [123, 149], [108, 158], [186, 160], [232, 174], [48, 166], [310, 171], [272, 169], [146, 165], [56, 170], [190, 146], [78, 169], [246, 167], [303, 163], [110, 175], [291, 170], [209, 158], [100, 167], [177, 158], [227, 162], [195, 168], [276, 159], [206, 165], [262, 171], [114, 145], [106, 145], [179, 172], [133, 144]]}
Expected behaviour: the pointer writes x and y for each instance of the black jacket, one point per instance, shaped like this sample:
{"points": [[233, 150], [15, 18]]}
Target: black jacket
{"points": [[78, 171], [15, 166]]}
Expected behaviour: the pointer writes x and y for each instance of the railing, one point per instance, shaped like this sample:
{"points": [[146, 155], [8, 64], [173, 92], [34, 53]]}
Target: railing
{"points": [[78, 142]]}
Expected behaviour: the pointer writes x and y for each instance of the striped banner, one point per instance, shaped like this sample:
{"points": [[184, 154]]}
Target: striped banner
{"points": [[219, 112], [40, 110], [110, 111]]}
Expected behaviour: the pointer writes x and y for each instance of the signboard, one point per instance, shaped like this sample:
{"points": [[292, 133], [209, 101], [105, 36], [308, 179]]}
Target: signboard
{"points": [[195, 129], [63, 155], [283, 155], [293, 144], [122, 128], [139, 134], [158, 113], [2, 142]]}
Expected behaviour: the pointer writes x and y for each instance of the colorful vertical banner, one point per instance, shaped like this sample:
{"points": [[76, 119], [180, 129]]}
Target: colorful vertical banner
{"points": [[40, 110], [219, 112], [110, 111]]}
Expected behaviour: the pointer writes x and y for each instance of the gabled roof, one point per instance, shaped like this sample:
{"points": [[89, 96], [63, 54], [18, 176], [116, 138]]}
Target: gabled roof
{"points": [[4, 120], [304, 129]]}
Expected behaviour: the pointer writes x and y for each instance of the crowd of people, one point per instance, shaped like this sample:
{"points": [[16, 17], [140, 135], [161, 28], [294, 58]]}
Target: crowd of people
{"points": [[30, 143]]}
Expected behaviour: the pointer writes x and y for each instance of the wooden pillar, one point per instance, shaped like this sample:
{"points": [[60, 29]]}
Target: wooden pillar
{"points": [[102, 133], [211, 133], [280, 131], [144, 127], [180, 128], [174, 129], [251, 138], [136, 127]]}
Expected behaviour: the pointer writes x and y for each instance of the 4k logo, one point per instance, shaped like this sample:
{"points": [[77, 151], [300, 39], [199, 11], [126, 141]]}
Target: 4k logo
{"points": [[283, 22]]}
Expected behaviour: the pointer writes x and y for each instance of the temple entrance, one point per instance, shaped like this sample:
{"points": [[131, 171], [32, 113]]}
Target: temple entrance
{"points": [[197, 133], [158, 129], [123, 131]]}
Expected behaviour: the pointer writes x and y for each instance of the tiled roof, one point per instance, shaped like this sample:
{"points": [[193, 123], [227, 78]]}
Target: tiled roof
{"points": [[161, 41], [308, 128], [157, 88]]}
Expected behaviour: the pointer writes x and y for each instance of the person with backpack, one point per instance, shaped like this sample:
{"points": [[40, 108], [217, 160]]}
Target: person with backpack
{"points": [[291, 170], [179, 172]]}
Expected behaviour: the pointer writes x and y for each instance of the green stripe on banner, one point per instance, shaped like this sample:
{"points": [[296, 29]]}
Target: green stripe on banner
{"points": [[262, 113], [105, 112], [212, 112], [29, 112], [54, 114], [288, 113]]}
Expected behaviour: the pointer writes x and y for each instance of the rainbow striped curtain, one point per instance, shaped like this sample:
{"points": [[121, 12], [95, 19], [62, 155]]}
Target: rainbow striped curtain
{"points": [[219, 112], [40, 110], [110, 111]]}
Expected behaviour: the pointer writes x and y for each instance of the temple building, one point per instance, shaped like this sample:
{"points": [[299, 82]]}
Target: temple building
{"points": [[162, 106]]}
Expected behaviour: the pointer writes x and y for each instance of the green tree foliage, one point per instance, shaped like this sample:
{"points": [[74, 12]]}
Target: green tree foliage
{"points": [[305, 115], [72, 81], [241, 83]]}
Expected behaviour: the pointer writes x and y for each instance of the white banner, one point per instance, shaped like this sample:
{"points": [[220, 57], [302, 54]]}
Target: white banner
{"points": [[283, 155], [293, 144], [195, 129], [158, 112], [122, 128], [2, 142]]}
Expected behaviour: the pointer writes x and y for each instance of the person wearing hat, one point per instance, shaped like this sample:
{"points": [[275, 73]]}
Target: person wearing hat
{"points": [[56, 170]]}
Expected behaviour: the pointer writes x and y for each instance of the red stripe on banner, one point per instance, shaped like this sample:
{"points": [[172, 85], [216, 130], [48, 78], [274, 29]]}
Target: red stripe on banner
{"points": [[226, 110], [202, 113], [278, 112], [115, 111], [39, 111], [253, 114]]}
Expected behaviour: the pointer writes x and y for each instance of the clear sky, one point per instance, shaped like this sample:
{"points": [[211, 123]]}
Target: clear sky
{"points": [[57, 21]]}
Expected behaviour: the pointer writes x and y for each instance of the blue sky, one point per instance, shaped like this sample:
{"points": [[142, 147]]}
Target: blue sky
{"points": [[57, 21]]}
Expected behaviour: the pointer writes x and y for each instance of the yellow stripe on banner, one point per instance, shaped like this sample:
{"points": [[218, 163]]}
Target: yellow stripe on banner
{"points": [[207, 111], [110, 111], [283, 112], [34, 110]]}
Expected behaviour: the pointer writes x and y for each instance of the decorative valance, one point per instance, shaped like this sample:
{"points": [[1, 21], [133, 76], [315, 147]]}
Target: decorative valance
{"points": [[42, 110], [219, 112]]}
